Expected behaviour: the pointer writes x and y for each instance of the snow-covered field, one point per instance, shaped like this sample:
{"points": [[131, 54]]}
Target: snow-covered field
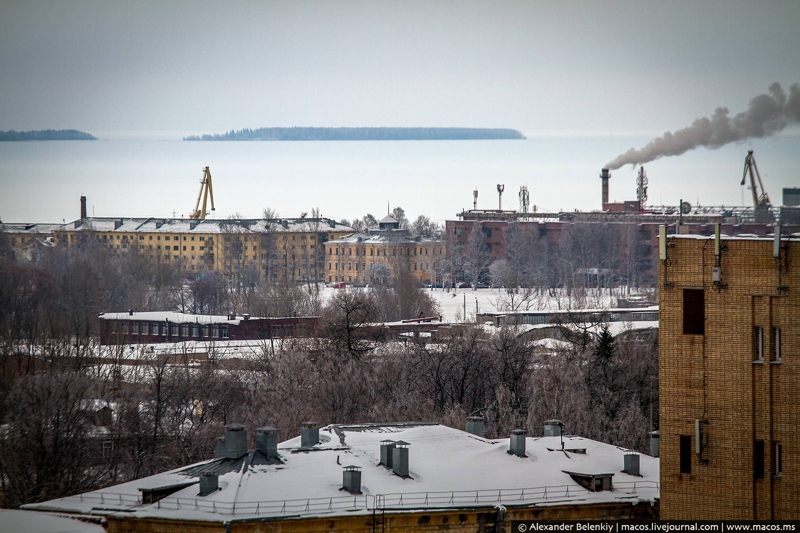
{"points": [[458, 304]]}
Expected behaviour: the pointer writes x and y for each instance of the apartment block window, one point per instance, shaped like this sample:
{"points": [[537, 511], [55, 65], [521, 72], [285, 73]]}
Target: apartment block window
{"points": [[686, 454], [173, 330], [135, 328], [758, 459], [205, 332], [694, 312], [758, 339], [184, 330], [163, 330], [224, 332], [777, 458], [145, 328], [776, 340], [215, 332]]}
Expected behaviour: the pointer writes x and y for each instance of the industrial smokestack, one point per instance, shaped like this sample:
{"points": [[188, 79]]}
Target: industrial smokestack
{"points": [[604, 175], [500, 189], [767, 115], [83, 207]]}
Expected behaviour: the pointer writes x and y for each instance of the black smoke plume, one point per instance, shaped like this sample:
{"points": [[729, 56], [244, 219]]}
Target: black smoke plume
{"points": [[767, 115]]}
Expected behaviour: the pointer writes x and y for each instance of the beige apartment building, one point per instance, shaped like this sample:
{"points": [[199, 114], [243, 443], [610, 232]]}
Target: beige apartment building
{"points": [[283, 249], [376, 256]]}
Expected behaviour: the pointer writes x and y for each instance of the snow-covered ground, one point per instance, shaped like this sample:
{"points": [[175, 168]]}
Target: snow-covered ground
{"points": [[455, 302]]}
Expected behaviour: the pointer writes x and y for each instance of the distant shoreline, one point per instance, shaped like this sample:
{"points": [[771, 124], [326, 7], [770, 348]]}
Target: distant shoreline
{"points": [[361, 134], [46, 135]]}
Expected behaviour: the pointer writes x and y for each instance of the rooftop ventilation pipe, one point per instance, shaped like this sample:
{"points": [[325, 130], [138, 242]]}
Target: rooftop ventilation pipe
{"points": [[400, 458], [351, 479], [209, 482], [631, 463], [267, 441], [475, 425], [387, 453], [309, 434], [553, 428], [517, 443], [655, 443], [234, 444]]}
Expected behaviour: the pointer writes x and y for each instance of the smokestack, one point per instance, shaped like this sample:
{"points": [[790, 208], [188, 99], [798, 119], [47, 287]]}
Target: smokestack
{"points": [[604, 175], [500, 189], [767, 115], [83, 207], [475, 199]]}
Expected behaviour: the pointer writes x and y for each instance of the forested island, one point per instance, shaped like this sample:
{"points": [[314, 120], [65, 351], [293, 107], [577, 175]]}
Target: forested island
{"points": [[361, 134], [46, 135]]}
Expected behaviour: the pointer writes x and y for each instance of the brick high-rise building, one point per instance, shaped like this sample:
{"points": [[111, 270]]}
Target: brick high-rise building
{"points": [[729, 369]]}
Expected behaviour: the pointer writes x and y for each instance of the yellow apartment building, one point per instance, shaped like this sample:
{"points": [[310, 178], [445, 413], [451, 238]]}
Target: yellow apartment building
{"points": [[281, 249], [373, 257]]}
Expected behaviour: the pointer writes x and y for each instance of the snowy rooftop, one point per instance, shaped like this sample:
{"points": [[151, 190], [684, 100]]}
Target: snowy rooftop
{"points": [[181, 225], [178, 318], [447, 468]]}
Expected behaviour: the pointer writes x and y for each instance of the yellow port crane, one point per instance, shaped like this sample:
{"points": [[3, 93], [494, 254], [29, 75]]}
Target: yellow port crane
{"points": [[206, 190], [751, 168]]}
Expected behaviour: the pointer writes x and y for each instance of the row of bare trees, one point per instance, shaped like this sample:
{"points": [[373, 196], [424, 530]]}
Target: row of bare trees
{"points": [[583, 255]]}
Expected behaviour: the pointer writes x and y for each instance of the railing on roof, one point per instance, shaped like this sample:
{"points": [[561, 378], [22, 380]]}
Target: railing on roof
{"points": [[377, 502]]}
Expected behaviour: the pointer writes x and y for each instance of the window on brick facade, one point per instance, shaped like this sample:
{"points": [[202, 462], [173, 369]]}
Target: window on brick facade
{"points": [[694, 316], [776, 342], [758, 459], [686, 454], [758, 340]]}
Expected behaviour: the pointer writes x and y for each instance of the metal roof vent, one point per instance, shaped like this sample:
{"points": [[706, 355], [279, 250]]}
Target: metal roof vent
{"points": [[517, 443], [351, 479], [553, 428], [475, 425], [387, 452], [400, 458], [309, 434], [267, 441], [209, 482], [655, 443], [234, 444], [631, 463]]}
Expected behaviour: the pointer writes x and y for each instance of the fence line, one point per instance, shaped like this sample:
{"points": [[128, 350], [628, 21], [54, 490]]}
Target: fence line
{"points": [[377, 502]]}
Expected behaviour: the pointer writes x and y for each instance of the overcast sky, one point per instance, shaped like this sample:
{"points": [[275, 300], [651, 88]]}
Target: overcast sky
{"points": [[171, 68]]}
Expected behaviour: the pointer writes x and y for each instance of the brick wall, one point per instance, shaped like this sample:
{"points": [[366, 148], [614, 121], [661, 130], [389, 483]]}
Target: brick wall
{"points": [[715, 377]]}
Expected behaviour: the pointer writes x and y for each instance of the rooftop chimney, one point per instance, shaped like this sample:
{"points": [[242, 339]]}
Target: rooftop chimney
{"points": [[475, 425], [209, 482], [400, 458], [604, 175], [631, 463], [655, 441], [267, 441], [387, 452], [83, 207], [553, 428], [234, 444], [517, 444], [351, 479], [309, 434]]}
